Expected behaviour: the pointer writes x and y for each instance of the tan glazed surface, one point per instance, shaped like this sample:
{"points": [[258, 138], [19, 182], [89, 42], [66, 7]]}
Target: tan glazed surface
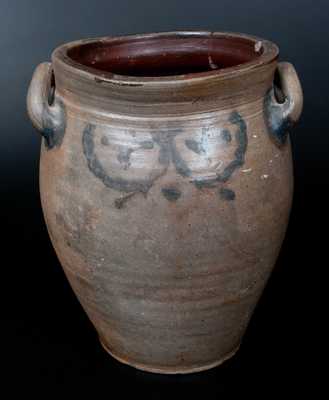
{"points": [[166, 184]]}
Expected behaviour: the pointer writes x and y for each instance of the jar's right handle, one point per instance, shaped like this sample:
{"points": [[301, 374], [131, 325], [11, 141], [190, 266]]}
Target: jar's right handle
{"points": [[284, 104]]}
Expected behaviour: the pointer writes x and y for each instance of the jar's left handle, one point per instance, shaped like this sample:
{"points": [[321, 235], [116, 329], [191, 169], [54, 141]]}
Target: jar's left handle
{"points": [[45, 108]]}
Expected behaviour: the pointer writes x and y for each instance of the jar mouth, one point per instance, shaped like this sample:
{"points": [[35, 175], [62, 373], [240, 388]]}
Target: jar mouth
{"points": [[167, 56]]}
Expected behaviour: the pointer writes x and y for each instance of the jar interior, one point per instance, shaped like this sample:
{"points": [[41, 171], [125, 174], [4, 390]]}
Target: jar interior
{"points": [[165, 55]]}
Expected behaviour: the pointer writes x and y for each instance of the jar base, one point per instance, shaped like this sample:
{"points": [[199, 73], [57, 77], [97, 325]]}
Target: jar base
{"points": [[169, 370]]}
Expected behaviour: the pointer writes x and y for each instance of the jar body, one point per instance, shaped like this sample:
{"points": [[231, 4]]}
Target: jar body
{"points": [[168, 269], [167, 226]]}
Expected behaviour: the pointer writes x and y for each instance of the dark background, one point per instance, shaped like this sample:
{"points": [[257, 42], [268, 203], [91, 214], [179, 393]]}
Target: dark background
{"points": [[47, 341]]}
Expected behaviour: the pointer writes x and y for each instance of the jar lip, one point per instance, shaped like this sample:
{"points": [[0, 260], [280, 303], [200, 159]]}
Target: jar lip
{"points": [[268, 52]]}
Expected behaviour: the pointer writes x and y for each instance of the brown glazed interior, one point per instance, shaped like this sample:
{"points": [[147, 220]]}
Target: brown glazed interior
{"points": [[179, 72], [166, 55]]}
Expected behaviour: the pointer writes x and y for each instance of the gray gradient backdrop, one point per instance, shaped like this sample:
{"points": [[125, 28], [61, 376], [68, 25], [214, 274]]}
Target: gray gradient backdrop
{"points": [[47, 337], [31, 29]]}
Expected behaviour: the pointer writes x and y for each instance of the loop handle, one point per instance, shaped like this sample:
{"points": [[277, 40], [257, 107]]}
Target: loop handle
{"points": [[281, 116], [45, 109]]}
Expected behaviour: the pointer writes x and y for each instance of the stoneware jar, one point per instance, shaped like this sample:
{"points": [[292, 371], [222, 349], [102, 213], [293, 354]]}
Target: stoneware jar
{"points": [[166, 185]]}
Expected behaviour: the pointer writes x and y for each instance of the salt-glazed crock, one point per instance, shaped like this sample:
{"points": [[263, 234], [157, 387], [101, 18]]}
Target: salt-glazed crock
{"points": [[166, 184]]}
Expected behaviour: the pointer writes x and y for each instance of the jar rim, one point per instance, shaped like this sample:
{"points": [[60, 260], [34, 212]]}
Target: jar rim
{"points": [[265, 53]]}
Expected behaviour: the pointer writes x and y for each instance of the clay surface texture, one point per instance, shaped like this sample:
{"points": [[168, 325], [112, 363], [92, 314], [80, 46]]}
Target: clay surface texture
{"points": [[166, 185]]}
